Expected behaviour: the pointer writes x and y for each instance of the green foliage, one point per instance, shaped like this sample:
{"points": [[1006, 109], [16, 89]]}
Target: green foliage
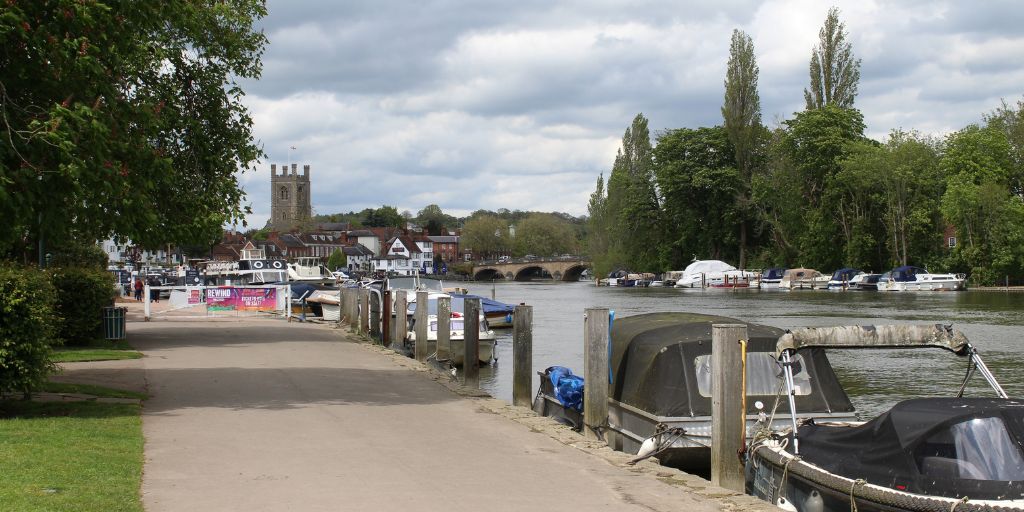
{"points": [[543, 234], [82, 293], [383, 217], [631, 209], [74, 253], [834, 72], [124, 118], [486, 235], [434, 220], [337, 260], [27, 328]]}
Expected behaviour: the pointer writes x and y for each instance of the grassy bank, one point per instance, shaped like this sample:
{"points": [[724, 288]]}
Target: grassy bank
{"points": [[99, 350], [81, 456]]}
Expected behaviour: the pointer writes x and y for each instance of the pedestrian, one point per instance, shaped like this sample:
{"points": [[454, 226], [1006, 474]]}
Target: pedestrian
{"points": [[138, 289], [154, 295]]}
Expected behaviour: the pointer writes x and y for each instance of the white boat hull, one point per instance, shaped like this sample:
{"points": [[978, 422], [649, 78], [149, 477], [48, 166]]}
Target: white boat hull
{"points": [[926, 283]]}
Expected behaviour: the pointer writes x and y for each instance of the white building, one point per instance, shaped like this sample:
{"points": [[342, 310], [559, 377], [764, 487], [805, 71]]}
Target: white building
{"points": [[405, 257], [121, 254]]}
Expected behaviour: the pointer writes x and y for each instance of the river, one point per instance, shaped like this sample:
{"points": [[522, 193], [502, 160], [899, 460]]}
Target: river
{"points": [[992, 321]]}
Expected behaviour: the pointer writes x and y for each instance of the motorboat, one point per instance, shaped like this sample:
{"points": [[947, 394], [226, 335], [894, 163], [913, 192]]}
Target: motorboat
{"points": [[252, 268], [803, 279], [487, 338], [309, 269], [865, 281], [771, 277], [499, 315], [711, 273], [910, 278], [842, 279], [923, 454], [660, 390]]}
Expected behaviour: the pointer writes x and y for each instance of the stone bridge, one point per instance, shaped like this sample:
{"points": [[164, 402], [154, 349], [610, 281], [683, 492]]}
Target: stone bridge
{"points": [[558, 269]]}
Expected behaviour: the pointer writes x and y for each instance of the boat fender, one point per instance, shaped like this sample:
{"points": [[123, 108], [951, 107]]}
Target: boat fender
{"points": [[814, 502], [647, 448], [784, 504]]}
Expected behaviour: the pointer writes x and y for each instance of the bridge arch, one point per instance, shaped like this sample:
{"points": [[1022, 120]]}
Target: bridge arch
{"points": [[528, 272], [573, 273], [487, 274]]}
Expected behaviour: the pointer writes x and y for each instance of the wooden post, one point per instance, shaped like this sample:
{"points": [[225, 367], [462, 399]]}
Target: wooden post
{"points": [[420, 316], [385, 333], [728, 419], [401, 319], [444, 328], [471, 344], [595, 370], [364, 311], [522, 355], [353, 309], [375, 307]]}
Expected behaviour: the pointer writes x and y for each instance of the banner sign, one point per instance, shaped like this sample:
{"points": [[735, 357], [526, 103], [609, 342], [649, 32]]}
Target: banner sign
{"points": [[241, 299], [195, 296]]}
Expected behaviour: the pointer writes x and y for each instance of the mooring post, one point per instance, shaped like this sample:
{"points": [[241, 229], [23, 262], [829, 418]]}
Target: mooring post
{"points": [[522, 355], [444, 328], [595, 370], [728, 419], [471, 344], [145, 298], [353, 309], [385, 332], [401, 319], [420, 317], [364, 311]]}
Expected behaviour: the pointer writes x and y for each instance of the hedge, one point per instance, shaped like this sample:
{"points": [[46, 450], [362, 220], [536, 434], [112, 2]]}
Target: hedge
{"points": [[27, 327], [82, 293]]}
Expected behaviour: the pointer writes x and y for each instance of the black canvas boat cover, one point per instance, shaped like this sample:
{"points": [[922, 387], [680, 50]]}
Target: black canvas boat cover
{"points": [[656, 360], [949, 447]]}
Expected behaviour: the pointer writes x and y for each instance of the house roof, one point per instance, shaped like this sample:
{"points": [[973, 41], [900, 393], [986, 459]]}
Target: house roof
{"points": [[407, 242], [444, 239], [356, 250], [361, 232]]}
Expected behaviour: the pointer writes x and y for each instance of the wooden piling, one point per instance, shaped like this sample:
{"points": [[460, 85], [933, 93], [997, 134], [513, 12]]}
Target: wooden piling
{"points": [[522, 355], [375, 307], [444, 328], [401, 319], [471, 344], [595, 369], [364, 311], [386, 328], [353, 309], [728, 419], [420, 316]]}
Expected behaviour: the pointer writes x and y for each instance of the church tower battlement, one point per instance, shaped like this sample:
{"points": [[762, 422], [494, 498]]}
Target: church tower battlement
{"points": [[290, 193]]}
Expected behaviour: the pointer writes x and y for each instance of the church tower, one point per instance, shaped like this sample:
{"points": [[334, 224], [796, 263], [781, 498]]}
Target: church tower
{"points": [[290, 203]]}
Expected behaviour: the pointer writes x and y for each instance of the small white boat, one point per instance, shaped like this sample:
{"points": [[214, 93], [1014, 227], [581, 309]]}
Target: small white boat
{"points": [[252, 268], [908, 278], [306, 268], [714, 273], [844, 278], [457, 338], [803, 279]]}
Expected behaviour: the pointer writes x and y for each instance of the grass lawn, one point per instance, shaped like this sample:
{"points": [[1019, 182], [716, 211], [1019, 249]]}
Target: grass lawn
{"points": [[89, 389], [81, 456], [99, 350]]}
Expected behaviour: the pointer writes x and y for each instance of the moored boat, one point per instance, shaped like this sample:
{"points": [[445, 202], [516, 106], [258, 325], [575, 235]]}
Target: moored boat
{"points": [[499, 315], [910, 278], [714, 273], [843, 278], [772, 276], [803, 279], [931, 454], [486, 337], [661, 385]]}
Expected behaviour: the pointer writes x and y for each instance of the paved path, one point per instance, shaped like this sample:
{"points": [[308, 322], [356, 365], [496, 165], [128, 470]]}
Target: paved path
{"points": [[270, 415]]}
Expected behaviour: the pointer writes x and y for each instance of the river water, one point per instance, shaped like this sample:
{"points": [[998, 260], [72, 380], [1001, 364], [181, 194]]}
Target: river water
{"points": [[992, 321]]}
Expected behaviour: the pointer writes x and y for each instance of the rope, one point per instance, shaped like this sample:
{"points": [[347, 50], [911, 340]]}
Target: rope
{"points": [[963, 501], [782, 481], [853, 499]]}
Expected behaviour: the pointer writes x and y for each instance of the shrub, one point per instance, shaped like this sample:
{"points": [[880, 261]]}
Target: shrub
{"points": [[27, 327], [82, 293]]}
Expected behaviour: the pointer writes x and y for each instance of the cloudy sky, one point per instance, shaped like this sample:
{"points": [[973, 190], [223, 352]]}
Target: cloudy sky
{"points": [[520, 105]]}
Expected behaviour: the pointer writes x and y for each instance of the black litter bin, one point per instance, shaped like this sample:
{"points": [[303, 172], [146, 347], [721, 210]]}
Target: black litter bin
{"points": [[113, 323]]}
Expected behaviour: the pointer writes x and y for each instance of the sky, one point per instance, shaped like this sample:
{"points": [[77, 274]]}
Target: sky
{"points": [[522, 105]]}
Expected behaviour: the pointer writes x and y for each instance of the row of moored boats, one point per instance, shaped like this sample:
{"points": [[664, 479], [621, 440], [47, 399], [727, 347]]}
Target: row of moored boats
{"points": [[719, 274]]}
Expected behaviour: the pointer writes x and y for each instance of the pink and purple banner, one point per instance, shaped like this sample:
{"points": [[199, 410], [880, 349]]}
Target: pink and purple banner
{"points": [[241, 299]]}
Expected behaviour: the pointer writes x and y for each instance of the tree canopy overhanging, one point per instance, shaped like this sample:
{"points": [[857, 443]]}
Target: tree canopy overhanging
{"points": [[123, 118]]}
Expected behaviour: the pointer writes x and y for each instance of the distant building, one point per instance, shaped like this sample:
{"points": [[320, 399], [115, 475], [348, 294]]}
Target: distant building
{"points": [[290, 192]]}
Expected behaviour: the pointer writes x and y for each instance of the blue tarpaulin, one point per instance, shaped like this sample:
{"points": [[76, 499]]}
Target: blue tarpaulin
{"points": [[568, 387]]}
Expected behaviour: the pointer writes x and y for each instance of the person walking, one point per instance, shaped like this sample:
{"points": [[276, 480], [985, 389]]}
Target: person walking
{"points": [[138, 289]]}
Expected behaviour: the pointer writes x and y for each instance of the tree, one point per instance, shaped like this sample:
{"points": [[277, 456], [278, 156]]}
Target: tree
{"points": [[1011, 123], [337, 260], [696, 173], [486, 235], [124, 118], [742, 114], [544, 234], [383, 217], [434, 220], [633, 222], [834, 72]]}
